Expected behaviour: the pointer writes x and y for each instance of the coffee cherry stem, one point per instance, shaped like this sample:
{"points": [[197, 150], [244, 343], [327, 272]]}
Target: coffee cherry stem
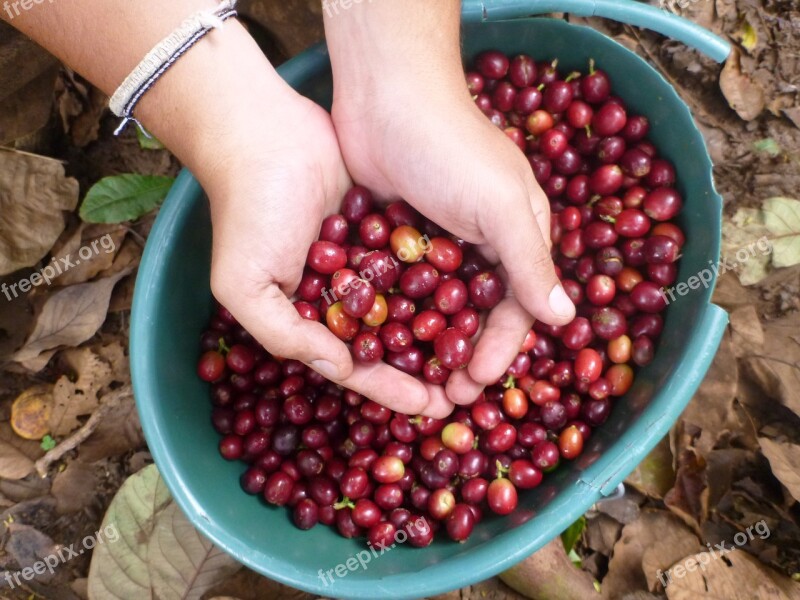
{"points": [[223, 347], [345, 502], [510, 382], [501, 470]]}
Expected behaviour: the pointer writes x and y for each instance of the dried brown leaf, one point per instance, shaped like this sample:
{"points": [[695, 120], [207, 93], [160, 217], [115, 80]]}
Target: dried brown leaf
{"points": [[69, 317], [710, 413], [27, 77], [81, 107], [744, 95], [784, 458], [674, 541], [747, 333], [74, 488], [654, 476], [30, 448], [776, 370], [119, 432], [736, 576], [27, 545], [103, 240], [77, 396], [601, 533], [33, 192], [13, 463], [689, 498]]}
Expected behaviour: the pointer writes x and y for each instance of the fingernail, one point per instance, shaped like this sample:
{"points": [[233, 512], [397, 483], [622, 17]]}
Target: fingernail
{"points": [[326, 368], [560, 303]]}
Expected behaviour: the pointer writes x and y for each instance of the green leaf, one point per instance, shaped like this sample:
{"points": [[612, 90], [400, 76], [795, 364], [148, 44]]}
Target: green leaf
{"points": [[572, 534], [147, 143], [575, 558], [782, 219], [48, 443], [768, 146], [124, 198]]}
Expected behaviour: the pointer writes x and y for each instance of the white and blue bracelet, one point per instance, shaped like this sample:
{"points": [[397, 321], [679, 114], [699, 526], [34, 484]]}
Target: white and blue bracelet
{"points": [[165, 54]]}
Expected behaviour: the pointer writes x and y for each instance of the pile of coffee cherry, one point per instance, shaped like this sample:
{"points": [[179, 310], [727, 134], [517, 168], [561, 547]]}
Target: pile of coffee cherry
{"points": [[399, 289]]}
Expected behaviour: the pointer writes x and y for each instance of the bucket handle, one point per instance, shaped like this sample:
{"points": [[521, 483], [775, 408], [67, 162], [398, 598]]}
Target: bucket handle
{"points": [[659, 20]]}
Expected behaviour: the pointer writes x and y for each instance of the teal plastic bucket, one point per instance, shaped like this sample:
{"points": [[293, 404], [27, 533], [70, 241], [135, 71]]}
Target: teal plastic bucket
{"points": [[173, 303]]}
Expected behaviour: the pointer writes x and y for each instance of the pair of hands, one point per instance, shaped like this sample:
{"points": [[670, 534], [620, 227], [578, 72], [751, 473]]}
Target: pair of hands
{"points": [[408, 139]]}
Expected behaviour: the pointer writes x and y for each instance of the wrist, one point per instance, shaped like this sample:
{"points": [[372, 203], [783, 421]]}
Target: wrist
{"points": [[395, 48], [220, 90]]}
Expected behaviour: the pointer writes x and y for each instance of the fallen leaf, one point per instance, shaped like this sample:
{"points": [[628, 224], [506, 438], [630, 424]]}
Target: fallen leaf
{"points": [[27, 545], [744, 95], [159, 553], [30, 412], [747, 335], [740, 236], [123, 198], [69, 317], [74, 488], [99, 243], [13, 463], [626, 570], [654, 476], [710, 415], [147, 141], [33, 192], [183, 563], [782, 219], [78, 395], [769, 147], [602, 532], [748, 36], [119, 432], [674, 540], [121, 570], [736, 575], [27, 77], [249, 585], [30, 448], [784, 458], [81, 107], [776, 369], [689, 497]]}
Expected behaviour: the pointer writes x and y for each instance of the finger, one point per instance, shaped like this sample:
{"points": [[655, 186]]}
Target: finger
{"points": [[462, 389], [392, 388], [505, 331], [272, 319], [531, 273], [540, 206], [440, 406]]}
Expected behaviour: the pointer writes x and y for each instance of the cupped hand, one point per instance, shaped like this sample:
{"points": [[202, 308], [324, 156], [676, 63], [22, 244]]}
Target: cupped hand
{"points": [[270, 188], [430, 145]]}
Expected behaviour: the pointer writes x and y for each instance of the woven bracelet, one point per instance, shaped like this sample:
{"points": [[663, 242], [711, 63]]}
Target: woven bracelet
{"points": [[165, 54]]}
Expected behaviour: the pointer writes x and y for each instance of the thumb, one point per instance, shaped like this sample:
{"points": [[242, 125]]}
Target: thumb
{"points": [[524, 253], [273, 320]]}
